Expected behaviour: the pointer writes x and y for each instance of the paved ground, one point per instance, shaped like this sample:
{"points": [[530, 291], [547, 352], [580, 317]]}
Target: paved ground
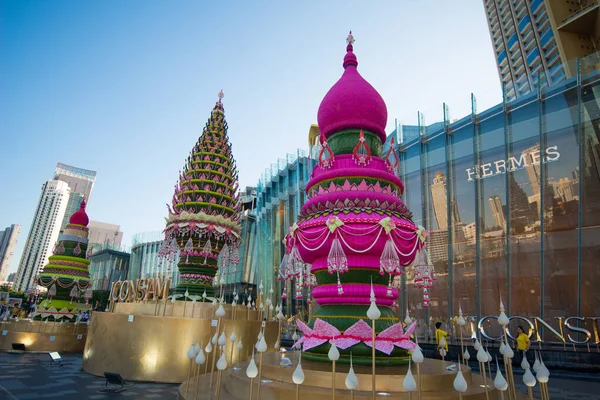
{"points": [[31, 376]]}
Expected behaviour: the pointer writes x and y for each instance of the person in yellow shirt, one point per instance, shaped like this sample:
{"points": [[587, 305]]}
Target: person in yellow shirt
{"points": [[523, 344], [439, 335]]}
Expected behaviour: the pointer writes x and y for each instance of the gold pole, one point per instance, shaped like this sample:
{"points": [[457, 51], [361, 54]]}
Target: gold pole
{"points": [[259, 376], [219, 384], [529, 393], [462, 348], [212, 368], [373, 358], [419, 378], [501, 394], [251, 385], [197, 379], [297, 392], [333, 380], [232, 346], [352, 394], [184, 304], [490, 370], [187, 383], [482, 369]]}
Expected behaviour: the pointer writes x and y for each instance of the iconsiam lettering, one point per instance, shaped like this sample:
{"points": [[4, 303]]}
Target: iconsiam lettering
{"points": [[498, 167], [140, 290], [534, 324]]}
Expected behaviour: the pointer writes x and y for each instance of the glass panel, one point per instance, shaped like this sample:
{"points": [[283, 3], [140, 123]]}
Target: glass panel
{"points": [[463, 221], [492, 215], [560, 195], [437, 222], [590, 176], [523, 216]]}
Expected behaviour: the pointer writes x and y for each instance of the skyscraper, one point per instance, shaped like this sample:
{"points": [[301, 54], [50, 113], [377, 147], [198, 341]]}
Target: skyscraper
{"points": [[439, 198], [104, 235], [539, 36], [8, 241], [497, 211], [81, 181], [532, 167], [43, 233]]}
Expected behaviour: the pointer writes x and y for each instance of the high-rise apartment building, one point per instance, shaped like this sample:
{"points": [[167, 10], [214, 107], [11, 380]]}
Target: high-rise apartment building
{"points": [[497, 211], [534, 38], [44, 231], [438, 199], [103, 235], [81, 182], [8, 241]]}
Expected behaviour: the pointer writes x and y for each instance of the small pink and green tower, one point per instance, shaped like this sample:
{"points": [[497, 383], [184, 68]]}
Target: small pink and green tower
{"points": [[66, 275], [203, 224]]}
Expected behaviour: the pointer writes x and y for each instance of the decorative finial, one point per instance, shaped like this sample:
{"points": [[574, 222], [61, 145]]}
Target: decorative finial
{"points": [[221, 94], [350, 38]]}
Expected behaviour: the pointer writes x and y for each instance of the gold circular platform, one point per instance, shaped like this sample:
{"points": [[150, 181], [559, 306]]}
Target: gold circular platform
{"points": [[142, 347], [437, 382]]}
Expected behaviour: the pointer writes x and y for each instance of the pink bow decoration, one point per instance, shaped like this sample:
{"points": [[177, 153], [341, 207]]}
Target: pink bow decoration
{"points": [[359, 332]]}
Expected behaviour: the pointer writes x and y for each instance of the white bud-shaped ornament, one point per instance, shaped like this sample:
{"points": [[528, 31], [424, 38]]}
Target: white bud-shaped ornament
{"points": [[222, 281], [467, 356], [499, 381], [503, 319], [460, 321], [460, 384], [197, 348], [261, 346], [543, 374], [489, 356], [233, 336], [251, 370], [502, 348], [524, 363], [204, 295], [528, 378], [279, 315], [222, 363], [509, 353], [222, 339], [200, 358], [373, 312], [417, 355], [409, 384], [295, 337], [208, 348], [191, 353], [477, 345], [536, 364], [351, 379], [214, 301], [481, 355], [407, 320], [215, 338], [220, 311], [298, 375], [334, 353], [239, 345], [276, 345], [260, 335]]}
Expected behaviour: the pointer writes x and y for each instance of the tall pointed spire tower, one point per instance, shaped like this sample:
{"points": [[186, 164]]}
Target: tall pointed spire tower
{"points": [[354, 230], [203, 223], [66, 275]]}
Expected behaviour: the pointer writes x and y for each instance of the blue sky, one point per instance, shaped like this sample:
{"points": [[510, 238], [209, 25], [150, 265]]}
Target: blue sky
{"points": [[125, 87]]}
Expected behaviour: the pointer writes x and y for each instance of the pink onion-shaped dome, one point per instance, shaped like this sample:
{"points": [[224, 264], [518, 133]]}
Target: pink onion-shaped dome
{"points": [[352, 103], [80, 217]]}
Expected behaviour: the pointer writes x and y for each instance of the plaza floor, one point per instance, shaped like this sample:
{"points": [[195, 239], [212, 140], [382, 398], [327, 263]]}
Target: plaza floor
{"points": [[32, 376]]}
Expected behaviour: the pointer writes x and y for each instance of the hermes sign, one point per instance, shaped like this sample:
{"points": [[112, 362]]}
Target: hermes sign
{"points": [[526, 159]]}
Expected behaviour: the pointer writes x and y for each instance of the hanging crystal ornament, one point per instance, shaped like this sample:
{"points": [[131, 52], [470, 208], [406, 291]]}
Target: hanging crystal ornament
{"points": [[337, 262], [362, 153], [424, 274], [391, 157], [188, 248], [234, 256], [389, 263], [326, 156], [206, 250]]}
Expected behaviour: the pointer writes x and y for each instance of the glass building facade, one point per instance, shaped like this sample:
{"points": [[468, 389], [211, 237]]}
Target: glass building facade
{"points": [[144, 261], [511, 197], [107, 266]]}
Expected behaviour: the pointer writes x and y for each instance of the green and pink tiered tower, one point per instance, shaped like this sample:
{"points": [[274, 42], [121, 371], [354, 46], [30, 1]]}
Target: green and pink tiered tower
{"points": [[203, 224], [66, 275], [354, 229]]}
